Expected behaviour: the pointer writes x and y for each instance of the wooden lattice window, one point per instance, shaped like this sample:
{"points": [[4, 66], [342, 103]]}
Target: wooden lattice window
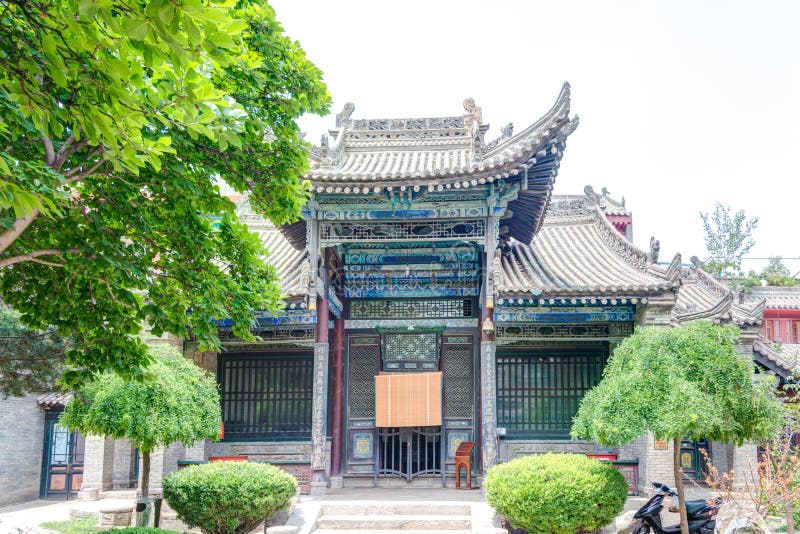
{"points": [[266, 396], [769, 331], [538, 393], [796, 331]]}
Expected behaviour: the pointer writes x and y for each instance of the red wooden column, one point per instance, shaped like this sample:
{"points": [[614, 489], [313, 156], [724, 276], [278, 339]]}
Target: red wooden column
{"points": [[338, 396]]}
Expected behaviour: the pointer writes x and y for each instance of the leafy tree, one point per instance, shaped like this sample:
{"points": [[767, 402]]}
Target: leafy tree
{"points": [[728, 238], [119, 119], [776, 273], [679, 382], [30, 360], [174, 401]]}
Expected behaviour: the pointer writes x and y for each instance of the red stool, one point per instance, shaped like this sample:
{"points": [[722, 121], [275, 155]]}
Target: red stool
{"points": [[463, 453]]}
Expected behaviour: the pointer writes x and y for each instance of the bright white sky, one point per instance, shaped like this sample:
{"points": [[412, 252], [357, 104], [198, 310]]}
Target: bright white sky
{"points": [[682, 103]]}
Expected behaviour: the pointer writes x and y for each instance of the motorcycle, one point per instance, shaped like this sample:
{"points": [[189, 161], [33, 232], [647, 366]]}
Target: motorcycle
{"points": [[699, 512]]}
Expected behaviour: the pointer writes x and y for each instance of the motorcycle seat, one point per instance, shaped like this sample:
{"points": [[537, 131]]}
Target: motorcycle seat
{"points": [[693, 507]]}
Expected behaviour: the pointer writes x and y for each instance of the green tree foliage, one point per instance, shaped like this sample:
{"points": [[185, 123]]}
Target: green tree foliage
{"points": [[119, 119], [30, 360], [556, 493], [679, 382], [228, 497], [776, 273], [174, 401], [728, 238]]}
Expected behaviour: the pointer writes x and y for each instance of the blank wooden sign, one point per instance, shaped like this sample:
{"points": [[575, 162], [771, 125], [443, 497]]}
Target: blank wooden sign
{"points": [[408, 399]]}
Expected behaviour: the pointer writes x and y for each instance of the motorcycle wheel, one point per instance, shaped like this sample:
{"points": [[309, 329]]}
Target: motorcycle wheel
{"points": [[641, 528]]}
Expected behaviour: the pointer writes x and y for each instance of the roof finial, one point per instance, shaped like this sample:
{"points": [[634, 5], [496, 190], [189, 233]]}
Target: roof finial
{"points": [[655, 247], [474, 114], [344, 116]]}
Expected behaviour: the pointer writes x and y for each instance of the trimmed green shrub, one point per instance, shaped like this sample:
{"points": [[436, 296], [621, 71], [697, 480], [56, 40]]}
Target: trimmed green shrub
{"points": [[228, 497], [556, 493]]}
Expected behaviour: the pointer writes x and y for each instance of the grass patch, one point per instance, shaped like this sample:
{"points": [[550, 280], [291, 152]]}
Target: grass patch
{"points": [[73, 526], [87, 526]]}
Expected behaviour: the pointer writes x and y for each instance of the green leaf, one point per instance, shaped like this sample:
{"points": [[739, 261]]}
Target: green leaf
{"points": [[136, 29]]}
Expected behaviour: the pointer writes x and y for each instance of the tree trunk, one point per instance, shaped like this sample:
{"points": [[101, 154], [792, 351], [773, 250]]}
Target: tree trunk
{"points": [[676, 464], [145, 473], [789, 513]]}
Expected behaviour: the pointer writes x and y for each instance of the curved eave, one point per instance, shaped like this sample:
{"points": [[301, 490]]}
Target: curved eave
{"points": [[748, 315], [579, 255], [702, 297], [782, 359], [295, 233], [54, 400]]}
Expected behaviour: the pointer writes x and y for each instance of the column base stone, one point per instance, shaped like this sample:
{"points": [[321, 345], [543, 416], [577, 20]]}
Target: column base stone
{"points": [[318, 488], [89, 494], [337, 482]]}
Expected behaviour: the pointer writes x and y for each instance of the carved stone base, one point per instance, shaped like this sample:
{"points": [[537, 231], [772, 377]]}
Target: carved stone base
{"points": [[318, 488]]}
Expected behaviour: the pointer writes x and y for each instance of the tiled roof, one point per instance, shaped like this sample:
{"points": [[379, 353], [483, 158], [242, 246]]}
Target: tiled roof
{"points": [[783, 358], [371, 154], [54, 400], [702, 297], [577, 251], [291, 263], [778, 298]]}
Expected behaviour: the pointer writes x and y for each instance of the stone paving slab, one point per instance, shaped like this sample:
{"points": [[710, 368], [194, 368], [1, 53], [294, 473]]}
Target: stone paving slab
{"points": [[26, 517]]}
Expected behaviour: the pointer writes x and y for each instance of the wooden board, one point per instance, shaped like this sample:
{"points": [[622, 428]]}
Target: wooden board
{"points": [[408, 399]]}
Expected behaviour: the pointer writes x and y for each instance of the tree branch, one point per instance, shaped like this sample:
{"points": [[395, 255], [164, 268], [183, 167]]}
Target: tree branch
{"points": [[32, 256], [85, 174], [8, 237], [67, 149], [50, 154]]}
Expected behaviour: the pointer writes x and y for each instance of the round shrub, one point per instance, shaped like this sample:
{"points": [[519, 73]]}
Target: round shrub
{"points": [[556, 493], [228, 497]]}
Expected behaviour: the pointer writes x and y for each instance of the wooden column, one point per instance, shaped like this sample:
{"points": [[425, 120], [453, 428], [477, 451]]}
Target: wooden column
{"points": [[487, 358], [338, 396]]}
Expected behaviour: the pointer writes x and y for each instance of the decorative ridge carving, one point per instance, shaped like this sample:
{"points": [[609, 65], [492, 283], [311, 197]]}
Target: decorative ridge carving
{"points": [[579, 208], [419, 123], [708, 282], [624, 248]]}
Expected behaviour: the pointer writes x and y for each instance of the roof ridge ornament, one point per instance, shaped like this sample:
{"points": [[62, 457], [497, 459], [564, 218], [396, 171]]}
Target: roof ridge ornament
{"points": [[655, 247], [473, 122], [343, 117]]}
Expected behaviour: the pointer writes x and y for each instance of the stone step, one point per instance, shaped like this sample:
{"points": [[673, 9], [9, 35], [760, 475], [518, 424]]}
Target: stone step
{"points": [[398, 508], [119, 494], [395, 522], [397, 482]]}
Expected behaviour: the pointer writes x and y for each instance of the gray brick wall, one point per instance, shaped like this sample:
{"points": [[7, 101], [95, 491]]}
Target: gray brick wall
{"points": [[98, 464], [21, 442]]}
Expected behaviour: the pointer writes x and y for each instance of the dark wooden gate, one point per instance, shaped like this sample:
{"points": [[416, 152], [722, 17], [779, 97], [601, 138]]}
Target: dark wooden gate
{"points": [[62, 466], [408, 452]]}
